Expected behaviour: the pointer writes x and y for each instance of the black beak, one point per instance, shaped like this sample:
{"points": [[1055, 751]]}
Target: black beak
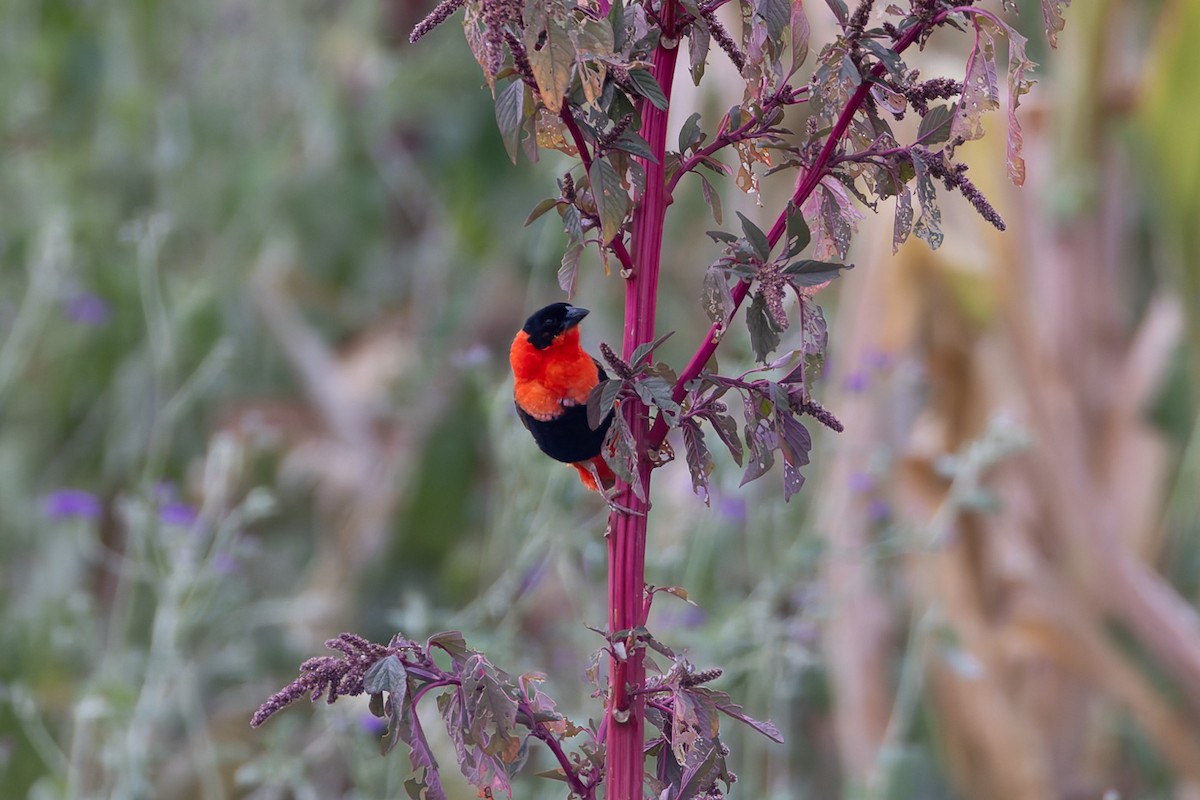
{"points": [[574, 317]]}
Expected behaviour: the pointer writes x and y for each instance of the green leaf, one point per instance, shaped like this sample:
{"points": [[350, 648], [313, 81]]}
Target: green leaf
{"points": [[568, 270], [798, 235], [756, 238], [690, 134], [541, 208], [510, 112], [764, 336], [612, 203], [601, 401], [722, 237], [572, 224], [631, 142], [699, 40], [645, 85], [646, 348], [839, 9], [777, 14], [935, 125], [712, 198], [657, 391], [809, 272]]}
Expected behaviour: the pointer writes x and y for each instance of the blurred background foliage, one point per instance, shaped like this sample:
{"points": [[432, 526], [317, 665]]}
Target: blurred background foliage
{"points": [[259, 267]]}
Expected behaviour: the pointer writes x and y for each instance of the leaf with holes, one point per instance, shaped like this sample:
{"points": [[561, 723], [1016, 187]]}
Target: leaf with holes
{"points": [[699, 459], [551, 60], [716, 296], [981, 90], [1018, 85], [928, 226]]}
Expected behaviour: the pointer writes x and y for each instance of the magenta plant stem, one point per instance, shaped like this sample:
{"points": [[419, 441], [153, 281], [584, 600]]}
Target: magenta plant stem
{"points": [[624, 757], [806, 186]]}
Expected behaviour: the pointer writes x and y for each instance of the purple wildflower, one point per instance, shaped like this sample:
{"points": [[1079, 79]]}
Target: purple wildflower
{"points": [[861, 482], [177, 513], [372, 724], [71, 504], [856, 381], [86, 308]]}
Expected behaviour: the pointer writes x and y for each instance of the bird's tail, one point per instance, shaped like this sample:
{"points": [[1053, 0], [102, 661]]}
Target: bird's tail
{"points": [[602, 470]]}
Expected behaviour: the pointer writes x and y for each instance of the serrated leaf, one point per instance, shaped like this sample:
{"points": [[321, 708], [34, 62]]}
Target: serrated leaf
{"points": [[541, 208], [645, 85], [601, 400], [764, 335], [568, 270], [612, 202], [510, 112], [935, 125], [756, 238], [726, 706], [716, 297]]}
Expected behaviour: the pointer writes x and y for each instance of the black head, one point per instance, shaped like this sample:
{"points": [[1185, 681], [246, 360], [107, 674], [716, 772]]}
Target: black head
{"points": [[549, 323]]}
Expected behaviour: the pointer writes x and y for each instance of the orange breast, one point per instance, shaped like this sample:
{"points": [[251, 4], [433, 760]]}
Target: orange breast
{"points": [[546, 380]]}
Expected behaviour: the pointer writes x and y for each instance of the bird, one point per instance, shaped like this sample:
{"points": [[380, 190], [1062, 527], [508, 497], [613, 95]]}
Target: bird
{"points": [[552, 378]]}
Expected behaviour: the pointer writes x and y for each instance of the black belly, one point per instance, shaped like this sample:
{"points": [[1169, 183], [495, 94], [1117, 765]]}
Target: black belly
{"points": [[567, 437]]}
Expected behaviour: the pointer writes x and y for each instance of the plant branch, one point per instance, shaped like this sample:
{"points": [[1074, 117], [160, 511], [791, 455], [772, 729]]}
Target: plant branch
{"points": [[616, 245], [805, 187]]}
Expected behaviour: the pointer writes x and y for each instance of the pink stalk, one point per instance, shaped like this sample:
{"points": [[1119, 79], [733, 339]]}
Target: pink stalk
{"points": [[624, 758]]}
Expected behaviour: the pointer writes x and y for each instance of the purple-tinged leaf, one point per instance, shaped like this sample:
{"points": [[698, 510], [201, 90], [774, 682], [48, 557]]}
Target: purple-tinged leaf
{"points": [[832, 217], [761, 443], [777, 15], [453, 643], [387, 675], [620, 453], [764, 334], [699, 771], [631, 142], [809, 272], [655, 390], [1018, 85], [840, 11], [699, 459], [612, 202], [801, 31], [568, 271], [1052, 15], [981, 89], [425, 784], [726, 428], [726, 706], [902, 226]]}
